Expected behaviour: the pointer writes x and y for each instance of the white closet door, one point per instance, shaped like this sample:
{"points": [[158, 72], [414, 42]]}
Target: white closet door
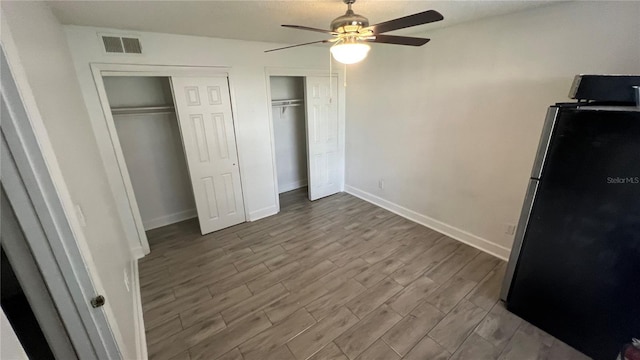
{"points": [[203, 106], [322, 137]]}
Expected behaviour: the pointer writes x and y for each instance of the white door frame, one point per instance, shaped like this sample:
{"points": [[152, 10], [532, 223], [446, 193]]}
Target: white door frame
{"points": [[340, 97], [38, 195], [122, 187]]}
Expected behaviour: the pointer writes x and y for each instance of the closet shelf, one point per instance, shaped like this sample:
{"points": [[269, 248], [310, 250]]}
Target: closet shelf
{"points": [[288, 102], [133, 110]]}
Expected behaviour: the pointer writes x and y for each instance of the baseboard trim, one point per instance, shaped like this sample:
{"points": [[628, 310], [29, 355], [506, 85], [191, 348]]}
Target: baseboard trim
{"points": [[137, 252], [141, 338], [292, 185], [263, 213], [169, 219], [439, 226]]}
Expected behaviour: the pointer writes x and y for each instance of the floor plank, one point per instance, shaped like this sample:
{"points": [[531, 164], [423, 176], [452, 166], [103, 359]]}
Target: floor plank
{"points": [[412, 295], [324, 332], [214, 306], [357, 339], [272, 339], [373, 297], [457, 325], [411, 329], [427, 349], [379, 351], [498, 326], [329, 352], [226, 340]]}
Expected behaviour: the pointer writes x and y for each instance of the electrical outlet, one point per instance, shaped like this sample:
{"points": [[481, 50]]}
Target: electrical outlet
{"points": [[381, 184], [126, 280], [510, 229]]}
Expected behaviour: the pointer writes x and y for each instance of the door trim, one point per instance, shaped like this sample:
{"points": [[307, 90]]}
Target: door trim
{"points": [[302, 72], [121, 185], [39, 197]]}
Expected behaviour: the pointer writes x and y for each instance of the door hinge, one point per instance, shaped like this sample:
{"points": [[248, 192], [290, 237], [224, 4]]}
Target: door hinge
{"points": [[98, 301]]}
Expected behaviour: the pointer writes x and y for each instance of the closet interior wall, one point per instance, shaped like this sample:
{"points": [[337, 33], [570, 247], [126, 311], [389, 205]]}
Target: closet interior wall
{"points": [[287, 96], [147, 127]]}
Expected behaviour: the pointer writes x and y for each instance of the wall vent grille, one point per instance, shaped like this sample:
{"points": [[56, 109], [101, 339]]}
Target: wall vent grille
{"points": [[131, 45], [112, 44], [121, 45]]}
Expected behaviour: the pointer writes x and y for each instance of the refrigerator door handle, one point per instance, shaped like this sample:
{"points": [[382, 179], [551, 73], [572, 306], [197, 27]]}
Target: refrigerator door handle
{"points": [[545, 139], [532, 189]]}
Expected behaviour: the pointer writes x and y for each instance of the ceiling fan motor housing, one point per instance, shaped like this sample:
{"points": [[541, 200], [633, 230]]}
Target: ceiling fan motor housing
{"points": [[349, 22]]}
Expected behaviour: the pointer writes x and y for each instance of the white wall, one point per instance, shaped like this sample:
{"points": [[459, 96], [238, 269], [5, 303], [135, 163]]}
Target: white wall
{"points": [[289, 133], [453, 127], [128, 91], [40, 61], [152, 149], [249, 84], [286, 87]]}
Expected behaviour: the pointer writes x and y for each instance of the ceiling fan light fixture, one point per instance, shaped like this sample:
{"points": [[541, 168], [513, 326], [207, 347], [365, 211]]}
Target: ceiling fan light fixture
{"points": [[350, 53]]}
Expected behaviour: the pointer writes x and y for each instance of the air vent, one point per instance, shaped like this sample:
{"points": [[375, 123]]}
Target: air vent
{"points": [[131, 45], [121, 45], [112, 44]]}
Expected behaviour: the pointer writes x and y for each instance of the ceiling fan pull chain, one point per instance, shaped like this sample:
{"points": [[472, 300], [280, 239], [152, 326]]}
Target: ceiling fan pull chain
{"points": [[330, 78], [345, 75]]}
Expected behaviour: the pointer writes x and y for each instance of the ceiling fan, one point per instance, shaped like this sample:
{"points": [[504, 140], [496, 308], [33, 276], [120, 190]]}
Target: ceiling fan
{"points": [[351, 33]]}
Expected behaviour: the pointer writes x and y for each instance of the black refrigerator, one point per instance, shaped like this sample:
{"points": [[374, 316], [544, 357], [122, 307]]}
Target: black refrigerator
{"points": [[574, 269]]}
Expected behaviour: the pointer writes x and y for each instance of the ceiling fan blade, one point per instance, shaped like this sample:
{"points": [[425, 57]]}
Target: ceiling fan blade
{"points": [[424, 17], [292, 46], [299, 27], [398, 40]]}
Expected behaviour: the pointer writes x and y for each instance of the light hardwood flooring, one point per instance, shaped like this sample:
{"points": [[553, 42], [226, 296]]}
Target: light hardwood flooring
{"points": [[337, 278]]}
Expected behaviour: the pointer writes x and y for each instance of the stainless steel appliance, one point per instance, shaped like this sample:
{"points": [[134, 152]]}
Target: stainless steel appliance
{"points": [[574, 270]]}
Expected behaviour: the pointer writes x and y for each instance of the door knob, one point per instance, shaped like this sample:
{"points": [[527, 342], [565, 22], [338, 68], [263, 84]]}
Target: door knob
{"points": [[98, 301]]}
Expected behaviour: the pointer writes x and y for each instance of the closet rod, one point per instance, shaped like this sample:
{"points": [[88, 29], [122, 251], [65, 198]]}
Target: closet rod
{"points": [[286, 105], [289, 102], [132, 110]]}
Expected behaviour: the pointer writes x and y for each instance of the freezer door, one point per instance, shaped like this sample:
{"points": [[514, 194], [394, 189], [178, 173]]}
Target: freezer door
{"points": [[517, 242], [578, 271], [541, 155]]}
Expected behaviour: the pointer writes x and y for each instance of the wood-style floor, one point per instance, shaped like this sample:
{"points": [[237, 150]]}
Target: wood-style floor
{"points": [[337, 278]]}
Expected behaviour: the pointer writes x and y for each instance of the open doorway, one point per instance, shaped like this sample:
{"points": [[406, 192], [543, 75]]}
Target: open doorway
{"points": [[289, 132], [308, 135], [174, 141], [145, 120]]}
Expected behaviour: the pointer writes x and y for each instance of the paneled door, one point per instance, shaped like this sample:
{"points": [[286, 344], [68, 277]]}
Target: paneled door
{"points": [[322, 137], [203, 106]]}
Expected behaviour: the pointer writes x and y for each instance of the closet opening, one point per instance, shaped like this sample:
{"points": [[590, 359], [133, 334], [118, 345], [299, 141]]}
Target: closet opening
{"points": [[289, 131], [148, 132]]}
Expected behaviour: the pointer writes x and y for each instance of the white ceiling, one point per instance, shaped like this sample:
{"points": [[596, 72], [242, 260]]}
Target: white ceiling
{"points": [[260, 20]]}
